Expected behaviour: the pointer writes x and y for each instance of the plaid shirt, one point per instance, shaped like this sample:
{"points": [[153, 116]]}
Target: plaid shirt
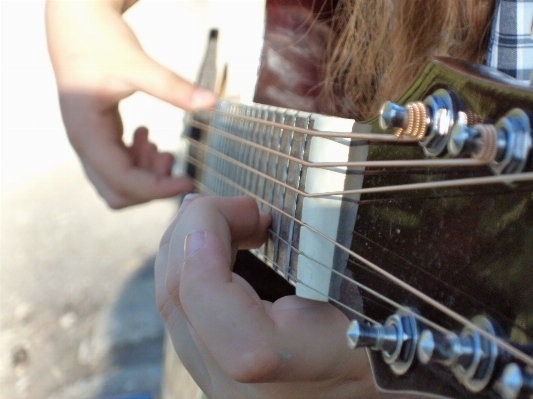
{"points": [[510, 45]]}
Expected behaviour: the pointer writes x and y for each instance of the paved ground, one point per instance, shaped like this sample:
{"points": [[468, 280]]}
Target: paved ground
{"points": [[77, 309], [78, 313]]}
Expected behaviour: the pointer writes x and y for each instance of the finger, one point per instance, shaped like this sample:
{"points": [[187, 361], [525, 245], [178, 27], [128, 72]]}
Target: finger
{"points": [[144, 151], [97, 137], [115, 169], [295, 340], [140, 137], [160, 82], [187, 200], [146, 156], [236, 219], [162, 164], [184, 343]]}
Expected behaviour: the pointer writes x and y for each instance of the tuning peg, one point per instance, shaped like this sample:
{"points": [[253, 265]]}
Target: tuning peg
{"points": [[470, 355], [515, 382], [411, 120], [440, 348], [392, 116], [396, 339], [375, 337]]}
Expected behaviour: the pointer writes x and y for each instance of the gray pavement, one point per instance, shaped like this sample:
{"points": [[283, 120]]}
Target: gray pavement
{"points": [[78, 316], [77, 308]]}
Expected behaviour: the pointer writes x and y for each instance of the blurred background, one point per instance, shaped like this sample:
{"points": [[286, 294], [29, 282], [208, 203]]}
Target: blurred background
{"points": [[77, 308]]}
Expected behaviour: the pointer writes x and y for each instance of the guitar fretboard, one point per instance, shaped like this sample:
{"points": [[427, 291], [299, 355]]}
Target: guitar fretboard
{"points": [[255, 150]]}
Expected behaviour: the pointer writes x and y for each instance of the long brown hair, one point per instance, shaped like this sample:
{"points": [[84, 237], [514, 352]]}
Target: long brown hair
{"points": [[378, 46]]}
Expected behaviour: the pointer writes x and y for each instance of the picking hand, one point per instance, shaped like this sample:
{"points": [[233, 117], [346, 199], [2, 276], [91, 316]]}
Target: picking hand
{"points": [[98, 61]]}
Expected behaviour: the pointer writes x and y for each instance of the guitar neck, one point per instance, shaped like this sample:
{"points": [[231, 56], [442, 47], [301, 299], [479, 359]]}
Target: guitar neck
{"points": [[266, 152]]}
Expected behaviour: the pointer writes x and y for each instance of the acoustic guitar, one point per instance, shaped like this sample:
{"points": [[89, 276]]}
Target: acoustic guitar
{"points": [[418, 224]]}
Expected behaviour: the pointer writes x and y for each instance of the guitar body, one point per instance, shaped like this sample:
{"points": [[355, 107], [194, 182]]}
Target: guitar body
{"points": [[467, 247]]}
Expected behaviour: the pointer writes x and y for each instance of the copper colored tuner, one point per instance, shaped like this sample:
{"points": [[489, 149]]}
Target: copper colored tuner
{"points": [[506, 146], [430, 121]]}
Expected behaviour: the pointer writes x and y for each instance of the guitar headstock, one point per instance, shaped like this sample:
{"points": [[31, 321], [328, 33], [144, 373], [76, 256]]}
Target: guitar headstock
{"points": [[443, 265]]}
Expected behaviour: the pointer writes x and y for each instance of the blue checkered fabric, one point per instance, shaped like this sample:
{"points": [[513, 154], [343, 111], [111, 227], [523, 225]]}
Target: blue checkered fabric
{"points": [[511, 46]]}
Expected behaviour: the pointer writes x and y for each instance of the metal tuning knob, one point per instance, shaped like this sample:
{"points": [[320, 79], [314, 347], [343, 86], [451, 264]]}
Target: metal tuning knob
{"points": [[479, 142], [396, 339], [513, 142], [410, 120], [435, 347], [470, 355], [505, 146], [430, 120], [515, 382]]}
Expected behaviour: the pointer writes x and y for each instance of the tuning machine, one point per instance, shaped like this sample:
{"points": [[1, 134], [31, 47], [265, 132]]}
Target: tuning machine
{"points": [[515, 382], [430, 120], [470, 355], [505, 146], [396, 339]]}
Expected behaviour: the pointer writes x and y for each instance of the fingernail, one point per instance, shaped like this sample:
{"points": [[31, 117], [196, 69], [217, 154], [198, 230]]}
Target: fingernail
{"points": [[203, 98], [189, 197], [264, 212], [187, 201], [194, 242]]}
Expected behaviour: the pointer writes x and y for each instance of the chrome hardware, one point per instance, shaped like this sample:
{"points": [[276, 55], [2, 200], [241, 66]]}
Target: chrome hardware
{"points": [[513, 142], [505, 146], [431, 120], [470, 355], [411, 120], [396, 339], [439, 348], [514, 382], [479, 142], [392, 116], [443, 116]]}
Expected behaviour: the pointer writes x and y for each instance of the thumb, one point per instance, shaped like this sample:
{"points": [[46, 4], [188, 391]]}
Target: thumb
{"points": [[159, 81]]}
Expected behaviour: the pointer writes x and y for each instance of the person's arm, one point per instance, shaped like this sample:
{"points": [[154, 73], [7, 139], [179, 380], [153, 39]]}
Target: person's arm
{"points": [[98, 61], [234, 344]]}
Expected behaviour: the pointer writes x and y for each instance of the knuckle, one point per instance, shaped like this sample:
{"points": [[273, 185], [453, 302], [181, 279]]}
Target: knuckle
{"points": [[258, 365]]}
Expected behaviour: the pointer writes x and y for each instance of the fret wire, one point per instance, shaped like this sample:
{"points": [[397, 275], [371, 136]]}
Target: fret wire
{"points": [[424, 297], [281, 140], [353, 164], [471, 181], [383, 137]]}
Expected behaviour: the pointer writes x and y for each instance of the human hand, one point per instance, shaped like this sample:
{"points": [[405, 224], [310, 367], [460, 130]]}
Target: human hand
{"points": [[234, 344], [98, 61]]}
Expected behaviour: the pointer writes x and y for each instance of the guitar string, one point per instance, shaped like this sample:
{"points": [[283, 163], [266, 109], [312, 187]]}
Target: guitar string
{"points": [[349, 135], [294, 279], [297, 252], [371, 291], [369, 164], [251, 126], [409, 265], [472, 181], [430, 301], [406, 286]]}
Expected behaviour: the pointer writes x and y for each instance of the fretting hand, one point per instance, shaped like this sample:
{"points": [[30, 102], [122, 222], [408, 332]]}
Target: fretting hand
{"points": [[234, 344], [98, 61]]}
